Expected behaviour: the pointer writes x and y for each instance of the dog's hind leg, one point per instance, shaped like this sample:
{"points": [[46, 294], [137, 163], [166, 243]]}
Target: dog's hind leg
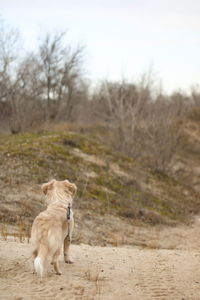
{"points": [[55, 261], [34, 255], [40, 261]]}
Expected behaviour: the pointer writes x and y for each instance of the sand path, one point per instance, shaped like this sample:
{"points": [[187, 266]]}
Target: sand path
{"points": [[102, 273]]}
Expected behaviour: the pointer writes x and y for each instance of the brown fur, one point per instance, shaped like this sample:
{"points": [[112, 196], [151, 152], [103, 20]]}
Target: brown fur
{"points": [[51, 227]]}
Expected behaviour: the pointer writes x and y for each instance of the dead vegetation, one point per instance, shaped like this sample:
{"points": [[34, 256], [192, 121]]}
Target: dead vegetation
{"points": [[20, 232], [112, 186], [39, 157], [132, 150]]}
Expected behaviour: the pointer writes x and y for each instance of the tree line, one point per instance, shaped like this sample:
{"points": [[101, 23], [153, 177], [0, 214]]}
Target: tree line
{"points": [[49, 85]]}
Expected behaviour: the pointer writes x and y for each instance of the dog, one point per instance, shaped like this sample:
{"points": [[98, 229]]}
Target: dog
{"points": [[53, 227]]}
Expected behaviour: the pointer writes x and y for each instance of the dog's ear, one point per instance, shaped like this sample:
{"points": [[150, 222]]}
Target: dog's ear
{"points": [[71, 187], [47, 186]]}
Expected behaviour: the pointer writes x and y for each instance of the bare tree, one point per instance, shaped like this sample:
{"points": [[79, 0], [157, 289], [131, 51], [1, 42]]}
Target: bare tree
{"points": [[60, 74], [120, 105], [9, 44], [45, 85]]}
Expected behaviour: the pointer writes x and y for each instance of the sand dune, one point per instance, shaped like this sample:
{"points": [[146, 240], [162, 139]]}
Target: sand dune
{"points": [[102, 273]]}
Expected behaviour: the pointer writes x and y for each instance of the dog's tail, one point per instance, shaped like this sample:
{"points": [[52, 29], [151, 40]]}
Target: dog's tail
{"points": [[38, 265]]}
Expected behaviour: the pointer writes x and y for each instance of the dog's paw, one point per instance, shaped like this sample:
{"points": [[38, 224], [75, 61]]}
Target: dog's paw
{"points": [[59, 273], [69, 260]]}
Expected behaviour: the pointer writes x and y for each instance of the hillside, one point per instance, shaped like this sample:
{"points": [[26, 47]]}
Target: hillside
{"points": [[115, 192]]}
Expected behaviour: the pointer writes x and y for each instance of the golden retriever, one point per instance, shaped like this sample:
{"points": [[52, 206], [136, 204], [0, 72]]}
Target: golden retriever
{"points": [[53, 227]]}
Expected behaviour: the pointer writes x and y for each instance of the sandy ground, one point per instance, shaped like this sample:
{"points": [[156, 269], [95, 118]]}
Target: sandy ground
{"points": [[104, 273]]}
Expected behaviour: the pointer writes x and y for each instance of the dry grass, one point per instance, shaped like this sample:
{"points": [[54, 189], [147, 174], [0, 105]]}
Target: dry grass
{"points": [[4, 232], [95, 275], [23, 230], [22, 233], [117, 240], [154, 240], [77, 127]]}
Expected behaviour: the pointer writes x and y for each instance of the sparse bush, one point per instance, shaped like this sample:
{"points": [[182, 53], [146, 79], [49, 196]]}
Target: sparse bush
{"points": [[140, 124]]}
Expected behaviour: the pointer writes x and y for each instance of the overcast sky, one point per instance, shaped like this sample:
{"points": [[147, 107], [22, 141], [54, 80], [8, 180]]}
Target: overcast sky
{"points": [[122, 38]]}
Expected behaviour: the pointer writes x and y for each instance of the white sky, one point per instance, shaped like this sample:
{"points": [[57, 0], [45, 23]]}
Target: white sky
{"points": [[122, 38]]}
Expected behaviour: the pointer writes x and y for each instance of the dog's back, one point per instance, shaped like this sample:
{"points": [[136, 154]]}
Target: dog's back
{"points": [[47, 224]]}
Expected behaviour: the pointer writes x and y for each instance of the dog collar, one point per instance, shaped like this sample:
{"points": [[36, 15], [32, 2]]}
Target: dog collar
{"points": [[68, 212]]}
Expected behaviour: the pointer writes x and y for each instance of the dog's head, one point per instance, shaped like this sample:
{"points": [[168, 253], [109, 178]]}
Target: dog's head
{"points": [[61, 187]]}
